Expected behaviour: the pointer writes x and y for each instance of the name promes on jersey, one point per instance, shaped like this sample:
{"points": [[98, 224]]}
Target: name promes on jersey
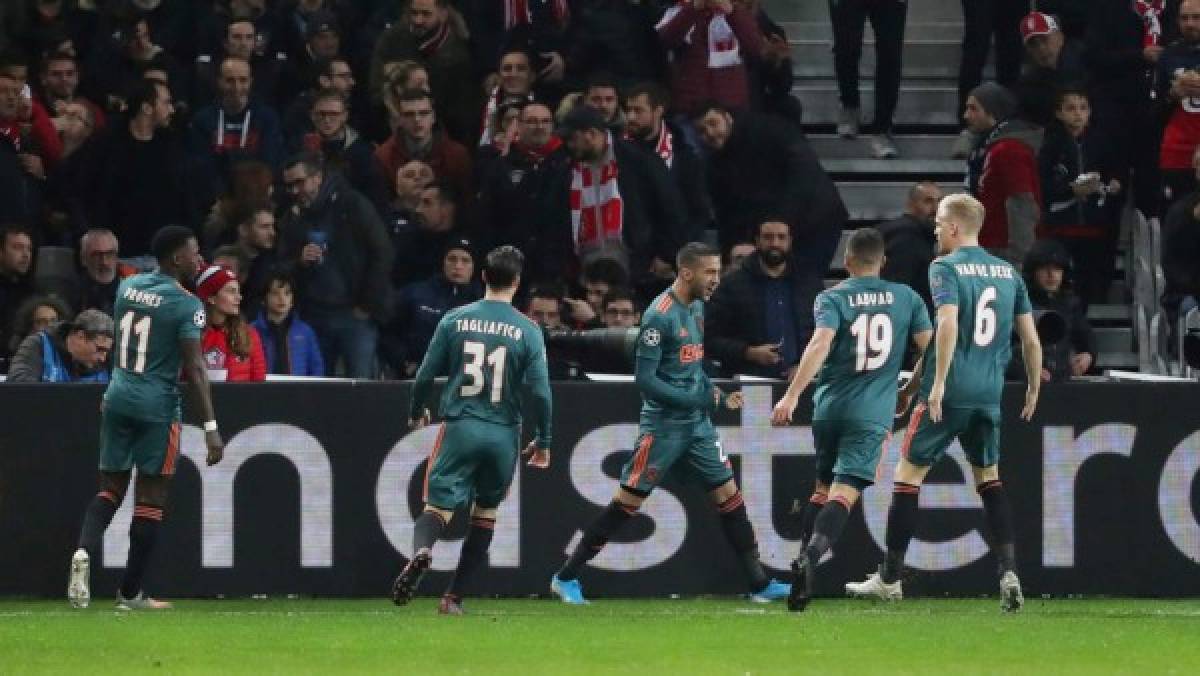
{"points": [[142, 297]]}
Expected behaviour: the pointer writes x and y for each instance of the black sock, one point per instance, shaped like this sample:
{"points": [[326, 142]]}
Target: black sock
{"points": [[95, 521], [902, 521], [740, 534], [595, 536], [474, 553], [143, 534], [998, 512], [811, 510], [828, 529], [426, 531]]}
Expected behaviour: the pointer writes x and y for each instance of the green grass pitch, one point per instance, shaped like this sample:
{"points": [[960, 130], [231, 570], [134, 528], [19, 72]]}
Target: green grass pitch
{"points": [[645, 637]]}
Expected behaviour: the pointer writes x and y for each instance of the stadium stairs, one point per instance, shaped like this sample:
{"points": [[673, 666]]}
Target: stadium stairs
{"points": [[926, 127]]}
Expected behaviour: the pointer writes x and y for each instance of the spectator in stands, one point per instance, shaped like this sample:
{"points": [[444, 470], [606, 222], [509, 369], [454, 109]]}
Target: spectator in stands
{"points": [[1124, 42], [322, 42], [410, 181], [647, 127], [299, 18], [331, 74], [545, 306], [1052, 63], [250, 182], [416, 137], [234, 128], [887, 21], [772, 76], [737, 254], [1178, 85], [599, 278], [41, 140], [421, 305], [1181, 252], [537, 28], [603, 95], [1002, 171], [240, 41], [343, 148], [66, 351], [434, 36], [516, 184], [232, 258], [229, 343], [99, 252], [620, 309], [21, 171], [515, 80], [35, 315], [1048, 278], [437, 225], [1073, 195], [16, 282], [910, 242], [136, 175], [988, 22], [118, 62], [60, 88], [342, 253], [711, 40], [401, 76], [290, 345], [256, 242], [758, 320], [619, 204], [760, 166]]}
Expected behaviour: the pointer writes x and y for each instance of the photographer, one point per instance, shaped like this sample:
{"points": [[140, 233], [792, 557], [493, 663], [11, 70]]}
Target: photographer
{"points": [[1047, 276], [66, 352], [1074, 195]]}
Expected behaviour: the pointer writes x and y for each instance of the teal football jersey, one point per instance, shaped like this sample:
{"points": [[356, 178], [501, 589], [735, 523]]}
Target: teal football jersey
{"points": [[153, 313], [873, 320], [671, 335], [989, 293], [487, 350]]}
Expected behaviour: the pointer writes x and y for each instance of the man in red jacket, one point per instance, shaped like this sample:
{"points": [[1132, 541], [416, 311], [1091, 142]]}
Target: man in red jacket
{"points": [[1002, 172]]}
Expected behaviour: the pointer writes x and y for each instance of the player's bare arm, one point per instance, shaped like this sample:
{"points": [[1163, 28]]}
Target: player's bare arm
{"points": [[946, 341], [197, 378], [1031, 350], [814, 357], [906, 394]]}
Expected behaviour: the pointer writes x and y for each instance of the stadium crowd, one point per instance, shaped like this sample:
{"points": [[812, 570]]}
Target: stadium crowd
{"points": [[347, 163]]}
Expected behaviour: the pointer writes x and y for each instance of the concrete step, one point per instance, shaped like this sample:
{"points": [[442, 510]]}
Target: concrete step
{"points": [[1110, 313], [1125, 361], [934, 147], [919, 169], [922, 59], [919, 11], [949, 32], [1113, 338], [922, 102], [881, 200]]}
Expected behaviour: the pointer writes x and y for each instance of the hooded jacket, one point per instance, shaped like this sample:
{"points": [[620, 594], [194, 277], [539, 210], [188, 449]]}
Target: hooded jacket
{"points": [[1079, 337], [1004, 165]]}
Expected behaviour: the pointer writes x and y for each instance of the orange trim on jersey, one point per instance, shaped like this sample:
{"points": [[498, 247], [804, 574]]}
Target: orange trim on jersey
{"points": [[913, 422], [664, 304], [639, 460], [172, 449], [887, 441], [437, 448]]}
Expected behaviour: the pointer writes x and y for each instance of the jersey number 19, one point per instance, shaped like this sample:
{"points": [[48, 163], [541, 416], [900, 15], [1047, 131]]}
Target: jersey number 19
{"points": [[473, 362], [140, 328], [874, 334]]}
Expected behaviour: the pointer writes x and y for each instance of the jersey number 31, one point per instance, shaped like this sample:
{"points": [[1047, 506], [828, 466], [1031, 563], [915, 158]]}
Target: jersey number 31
{"points": [[473, 362]]}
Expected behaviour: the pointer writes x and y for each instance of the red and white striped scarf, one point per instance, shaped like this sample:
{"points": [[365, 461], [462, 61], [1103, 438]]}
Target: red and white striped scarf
{"points": [[597, 211], [519, 12], [1151, 13], [723, 47], [434, 42], [487, 130], [665, 148]]}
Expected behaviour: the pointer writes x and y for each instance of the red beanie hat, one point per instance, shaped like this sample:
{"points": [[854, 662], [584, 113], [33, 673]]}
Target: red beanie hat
{"points": [[211, 280]]}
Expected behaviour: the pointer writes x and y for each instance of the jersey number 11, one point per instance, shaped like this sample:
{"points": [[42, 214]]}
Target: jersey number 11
{"points": [[141, 329]]}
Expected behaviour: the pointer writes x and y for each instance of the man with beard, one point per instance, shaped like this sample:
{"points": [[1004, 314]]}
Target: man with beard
{"points": [[758, 322], [514, 82], [434, 37], [646, 125], [618, 204], [515, 184], [910, 242], [102, 271], [676, 434], [241, 41]]}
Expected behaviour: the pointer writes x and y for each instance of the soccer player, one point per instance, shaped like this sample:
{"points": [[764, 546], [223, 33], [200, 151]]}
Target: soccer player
{"points": [[675, 431], [488, 349], [862, 326], [979, 298], [158, 330]]}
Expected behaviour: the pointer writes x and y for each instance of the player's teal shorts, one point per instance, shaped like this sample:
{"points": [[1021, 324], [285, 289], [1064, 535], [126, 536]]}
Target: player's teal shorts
{"points": [[125, 441], [471, 459], [977, 429], [692, 451], [848, 448]]}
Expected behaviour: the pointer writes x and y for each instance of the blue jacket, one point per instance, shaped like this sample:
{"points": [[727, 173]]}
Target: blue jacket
{"points": [[304, 352], [419, 308]]}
